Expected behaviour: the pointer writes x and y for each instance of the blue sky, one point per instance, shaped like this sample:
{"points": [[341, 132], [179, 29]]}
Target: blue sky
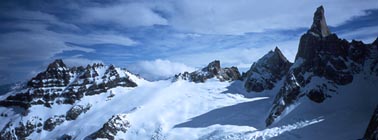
{"points": [[158, 38]]}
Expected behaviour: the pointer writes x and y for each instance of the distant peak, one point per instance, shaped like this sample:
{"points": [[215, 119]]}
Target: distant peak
{"points": [[319, 25], [278, 52], [214, 66], [58, 63], [375, 42]]}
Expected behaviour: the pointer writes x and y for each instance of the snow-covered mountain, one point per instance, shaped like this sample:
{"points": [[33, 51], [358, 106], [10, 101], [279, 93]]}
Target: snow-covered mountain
{"points": [[328, 92]]}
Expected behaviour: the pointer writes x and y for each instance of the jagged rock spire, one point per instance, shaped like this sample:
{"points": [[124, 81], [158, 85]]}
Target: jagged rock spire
{"points": [[319, 25]]}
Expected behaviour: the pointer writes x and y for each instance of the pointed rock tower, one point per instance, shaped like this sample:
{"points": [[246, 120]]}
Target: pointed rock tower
{"points": [[319, 25]]}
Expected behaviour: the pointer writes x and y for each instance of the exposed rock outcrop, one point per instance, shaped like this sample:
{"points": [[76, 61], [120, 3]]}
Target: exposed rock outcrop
{"points": [[52, 122], [20, 130], [118, 123], [212, 70], [76, 110], [266, 72]]}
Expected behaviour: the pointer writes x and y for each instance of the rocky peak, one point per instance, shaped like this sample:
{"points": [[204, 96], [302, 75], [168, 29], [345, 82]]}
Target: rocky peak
{"points": [[319, 25], [266, 71], [278, 52], [213, 67], [56, 75], [57, 65], [375, 42]]}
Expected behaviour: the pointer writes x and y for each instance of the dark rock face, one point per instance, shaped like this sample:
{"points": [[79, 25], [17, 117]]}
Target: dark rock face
{"points": [[60, 84], [323, 62], [264, 74], [65, 137], [21, 131], [288, 94], [52, 122], [76, 110], [114, 125], [372, 130], [212, 70]]}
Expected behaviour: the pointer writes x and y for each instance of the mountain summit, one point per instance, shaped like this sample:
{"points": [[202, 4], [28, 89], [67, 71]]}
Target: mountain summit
{"points": [[319, 26], [267, 71]]}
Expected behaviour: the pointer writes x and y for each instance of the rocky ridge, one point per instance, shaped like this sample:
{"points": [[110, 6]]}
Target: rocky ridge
{"points": [[62, 85]]}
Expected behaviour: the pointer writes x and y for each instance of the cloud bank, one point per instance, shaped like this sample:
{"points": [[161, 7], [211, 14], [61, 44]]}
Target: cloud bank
{"points": [[159, 69]]}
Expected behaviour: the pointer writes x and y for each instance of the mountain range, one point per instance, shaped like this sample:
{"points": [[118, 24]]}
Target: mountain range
{"points": [[328, 92]]}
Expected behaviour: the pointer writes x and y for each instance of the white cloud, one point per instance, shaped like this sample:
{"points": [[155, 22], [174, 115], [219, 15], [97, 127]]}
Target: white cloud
{"points": [[240, 52], [241, 16], [37, 17], [127, 15], [159, 69], [92, 39], [40, 44], [234, 17], [32, 41], [366, 34]]}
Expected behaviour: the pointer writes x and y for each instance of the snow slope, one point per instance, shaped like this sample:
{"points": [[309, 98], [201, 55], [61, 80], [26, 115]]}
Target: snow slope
{"points": [[213, 110], [166, 110]]}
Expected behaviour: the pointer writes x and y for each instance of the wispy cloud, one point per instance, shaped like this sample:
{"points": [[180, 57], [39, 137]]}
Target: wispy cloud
{"points": [[123, 14], [240, 16]]}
